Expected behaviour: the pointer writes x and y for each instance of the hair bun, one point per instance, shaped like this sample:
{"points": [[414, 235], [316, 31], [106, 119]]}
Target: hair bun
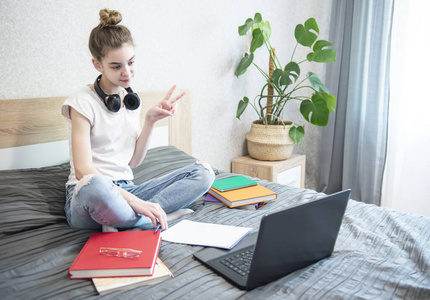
{"points": [[109, 17]]}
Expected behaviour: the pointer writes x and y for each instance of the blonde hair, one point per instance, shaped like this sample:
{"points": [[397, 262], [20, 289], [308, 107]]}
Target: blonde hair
{"points": [[108, 34]]}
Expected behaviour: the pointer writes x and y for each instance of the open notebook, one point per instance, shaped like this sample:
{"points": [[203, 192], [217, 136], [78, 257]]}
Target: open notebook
{"points": [[205, 234]]}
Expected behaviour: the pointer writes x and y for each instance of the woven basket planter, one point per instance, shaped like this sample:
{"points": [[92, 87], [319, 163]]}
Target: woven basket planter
{"points": [[270, 142]]}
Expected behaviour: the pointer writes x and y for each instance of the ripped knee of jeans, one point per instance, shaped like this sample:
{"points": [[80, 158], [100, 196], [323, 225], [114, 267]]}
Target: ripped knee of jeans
{"points": [[206, 165], [84, 181]]}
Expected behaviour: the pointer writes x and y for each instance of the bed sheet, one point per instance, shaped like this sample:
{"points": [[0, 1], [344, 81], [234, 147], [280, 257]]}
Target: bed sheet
{"points": [[379, 254]]}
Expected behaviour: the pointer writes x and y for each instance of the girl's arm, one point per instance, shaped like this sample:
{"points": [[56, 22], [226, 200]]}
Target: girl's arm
{"points": [[81, 145], [166, 108], [142, 142]]}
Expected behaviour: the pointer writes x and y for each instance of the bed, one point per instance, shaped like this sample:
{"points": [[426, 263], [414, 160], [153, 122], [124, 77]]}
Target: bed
{"points": [[379, 254]]}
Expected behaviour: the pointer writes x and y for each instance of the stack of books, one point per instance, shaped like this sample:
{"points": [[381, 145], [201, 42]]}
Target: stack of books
{"points": [[120, 260], [239, 191]]}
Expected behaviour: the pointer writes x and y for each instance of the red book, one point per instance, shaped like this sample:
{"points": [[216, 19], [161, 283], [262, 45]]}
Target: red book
{"points": [[118, 261]]}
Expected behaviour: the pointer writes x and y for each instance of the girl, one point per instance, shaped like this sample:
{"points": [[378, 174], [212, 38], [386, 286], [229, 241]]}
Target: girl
{"points": [[105, 144]]}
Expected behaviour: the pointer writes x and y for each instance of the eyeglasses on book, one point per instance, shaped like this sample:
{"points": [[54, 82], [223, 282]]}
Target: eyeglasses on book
{"points": [[120, 252]]}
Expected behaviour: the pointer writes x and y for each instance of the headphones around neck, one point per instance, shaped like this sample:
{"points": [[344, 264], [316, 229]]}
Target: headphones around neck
{"points": [[113, 102]]}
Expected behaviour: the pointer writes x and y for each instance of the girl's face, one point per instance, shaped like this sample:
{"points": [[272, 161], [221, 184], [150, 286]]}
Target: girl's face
{"points": [[117, 67]]}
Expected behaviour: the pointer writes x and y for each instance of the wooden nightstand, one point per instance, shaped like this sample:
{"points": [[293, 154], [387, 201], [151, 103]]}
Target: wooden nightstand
{"points": [[289, 172]]}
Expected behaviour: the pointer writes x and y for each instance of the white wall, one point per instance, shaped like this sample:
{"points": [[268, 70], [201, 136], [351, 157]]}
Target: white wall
{"points": [[193, 43]]}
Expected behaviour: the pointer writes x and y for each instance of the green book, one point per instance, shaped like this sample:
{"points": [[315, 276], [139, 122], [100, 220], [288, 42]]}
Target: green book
{"points": [[232, 183]]}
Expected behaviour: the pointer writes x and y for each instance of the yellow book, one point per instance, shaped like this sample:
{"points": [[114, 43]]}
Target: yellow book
{"points": [[110, 284], [244, 196]]}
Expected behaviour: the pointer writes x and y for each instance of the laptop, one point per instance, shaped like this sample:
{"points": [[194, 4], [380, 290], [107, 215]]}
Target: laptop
{"points": [[287, 241]]}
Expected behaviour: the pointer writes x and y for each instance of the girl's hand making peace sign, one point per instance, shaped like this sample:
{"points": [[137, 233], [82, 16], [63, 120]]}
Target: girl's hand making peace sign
{"points": [[166, 108]]}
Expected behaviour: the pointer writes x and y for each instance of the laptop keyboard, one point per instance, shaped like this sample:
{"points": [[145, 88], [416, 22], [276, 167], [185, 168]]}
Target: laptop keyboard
{"points": [[239, 262]]}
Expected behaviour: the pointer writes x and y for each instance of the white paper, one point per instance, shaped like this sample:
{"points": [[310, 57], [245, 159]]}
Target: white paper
{"points": [[205, 234]]}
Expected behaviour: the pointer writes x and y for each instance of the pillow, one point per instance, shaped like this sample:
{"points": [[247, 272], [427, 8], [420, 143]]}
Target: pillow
{"points": [[32, 198]]}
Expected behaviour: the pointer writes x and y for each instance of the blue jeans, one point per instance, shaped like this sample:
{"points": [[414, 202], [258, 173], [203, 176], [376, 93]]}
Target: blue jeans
{"points": [[98, 202]]}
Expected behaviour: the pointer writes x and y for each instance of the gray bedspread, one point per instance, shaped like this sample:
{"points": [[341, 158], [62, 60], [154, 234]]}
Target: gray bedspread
{"points": [[379, 254]]}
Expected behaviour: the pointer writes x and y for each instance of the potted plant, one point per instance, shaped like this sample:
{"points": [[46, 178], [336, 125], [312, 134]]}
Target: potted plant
{"points": [[284, 84]]}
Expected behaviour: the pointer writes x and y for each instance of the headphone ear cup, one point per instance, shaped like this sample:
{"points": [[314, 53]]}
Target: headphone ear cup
{"points": [[113, 102], [131, 101]]}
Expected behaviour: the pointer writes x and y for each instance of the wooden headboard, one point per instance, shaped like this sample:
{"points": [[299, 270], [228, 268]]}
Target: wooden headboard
{"points": [[25, 122]]}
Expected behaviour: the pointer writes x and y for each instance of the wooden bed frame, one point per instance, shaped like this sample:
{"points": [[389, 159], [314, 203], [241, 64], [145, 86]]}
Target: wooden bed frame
{"points": [[25, 122]]}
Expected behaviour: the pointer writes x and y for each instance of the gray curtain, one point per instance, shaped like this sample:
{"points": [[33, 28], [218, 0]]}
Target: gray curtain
{"points": [[355, 140]]}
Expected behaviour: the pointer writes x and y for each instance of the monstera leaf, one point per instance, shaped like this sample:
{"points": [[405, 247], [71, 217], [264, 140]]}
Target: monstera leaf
{"points": [[322, 89], [265, 28], [243, 103], [248, 24], [287, 76], [257, 39], [260, 34], [330, 100], [305, 34], [244, 63], [297, 134], [316, 82], [315, 111], [324, 52]]}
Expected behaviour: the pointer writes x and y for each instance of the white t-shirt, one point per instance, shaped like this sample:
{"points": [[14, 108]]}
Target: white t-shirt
{"points": [[113, 134]]}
